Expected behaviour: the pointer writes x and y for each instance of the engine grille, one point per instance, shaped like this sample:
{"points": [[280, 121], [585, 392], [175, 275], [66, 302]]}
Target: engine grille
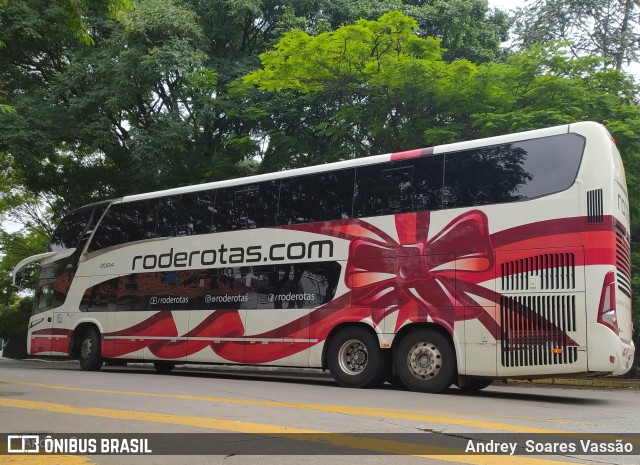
{"points": [[595, 206], [623, 263], [534, 330], [556, 271]]}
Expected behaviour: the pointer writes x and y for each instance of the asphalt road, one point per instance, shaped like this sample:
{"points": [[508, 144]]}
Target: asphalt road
{"points": [[244, 417]]}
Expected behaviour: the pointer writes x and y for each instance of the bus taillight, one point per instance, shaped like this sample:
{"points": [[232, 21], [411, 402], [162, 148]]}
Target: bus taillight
{"points": [[607, 309]]}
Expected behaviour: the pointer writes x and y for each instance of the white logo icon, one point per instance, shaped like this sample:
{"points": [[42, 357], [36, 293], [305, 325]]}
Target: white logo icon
{"points": [[23, 444]]}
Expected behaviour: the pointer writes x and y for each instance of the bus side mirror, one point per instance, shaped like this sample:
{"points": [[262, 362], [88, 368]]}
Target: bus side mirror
{"points": [[18, 280]]}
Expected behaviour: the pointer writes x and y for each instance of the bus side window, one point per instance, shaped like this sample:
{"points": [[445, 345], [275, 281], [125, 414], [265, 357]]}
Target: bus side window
{"points": [[427, 183], [317, 197], [484, 176], [260, 203], [101, 297], [383, 189], [399, 187], [228, 214], [186, 214], [512, 172], [126, 222]]}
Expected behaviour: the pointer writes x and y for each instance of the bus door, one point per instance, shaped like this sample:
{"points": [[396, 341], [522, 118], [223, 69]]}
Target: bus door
{"points": [[41, 328], [542, 314]]}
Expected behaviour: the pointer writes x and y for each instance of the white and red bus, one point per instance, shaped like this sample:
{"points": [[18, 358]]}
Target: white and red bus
{"points": [[505, 257]]}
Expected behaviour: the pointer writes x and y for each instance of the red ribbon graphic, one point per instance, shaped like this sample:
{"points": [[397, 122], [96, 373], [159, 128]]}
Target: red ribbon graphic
{"points": [[422, 279]]}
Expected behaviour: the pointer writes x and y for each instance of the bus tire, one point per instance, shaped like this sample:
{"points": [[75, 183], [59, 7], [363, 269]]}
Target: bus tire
{"points": [[425, 361], [164, 368], [475, 384], [89, 350], [355, 359]]}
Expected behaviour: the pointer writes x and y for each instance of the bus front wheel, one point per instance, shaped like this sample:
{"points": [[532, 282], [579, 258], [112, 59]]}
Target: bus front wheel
{"points": [[355, 359], [425, 361], [90, 358]]}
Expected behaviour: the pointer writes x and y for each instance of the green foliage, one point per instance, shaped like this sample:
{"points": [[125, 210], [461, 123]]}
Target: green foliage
{"points": [[14, 319], [344, 58], [467, 28], [75, 10]]}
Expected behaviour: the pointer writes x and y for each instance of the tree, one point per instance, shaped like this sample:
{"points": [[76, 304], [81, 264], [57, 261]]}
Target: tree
{"points": [[376, 87], [604, 28], [468, 29]]}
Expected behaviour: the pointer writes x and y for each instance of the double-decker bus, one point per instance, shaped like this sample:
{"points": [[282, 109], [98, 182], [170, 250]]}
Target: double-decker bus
{"points": [[506, 257]]}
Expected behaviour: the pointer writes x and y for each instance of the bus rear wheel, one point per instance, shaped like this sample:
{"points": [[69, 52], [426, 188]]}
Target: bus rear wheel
{"points": [[355, 359], [89, 353], [425, 361]]}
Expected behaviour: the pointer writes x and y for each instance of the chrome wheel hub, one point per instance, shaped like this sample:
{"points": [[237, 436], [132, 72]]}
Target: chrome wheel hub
{"points": [[424, 360], [353, 357]]}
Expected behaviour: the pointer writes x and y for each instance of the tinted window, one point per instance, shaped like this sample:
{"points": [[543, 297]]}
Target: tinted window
{"points": [[316, 197], [399, 187], [74, 226], [427, 183], [186, 214], [260, 203], [302, 285], [53, 283], [246, 207], [70, 230], [383, 189], [100, 298], [512, 172], [126, 222]]}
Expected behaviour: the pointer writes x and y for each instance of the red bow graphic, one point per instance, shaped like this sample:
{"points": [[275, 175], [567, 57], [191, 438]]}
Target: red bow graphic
{"points": [[422, 279]]}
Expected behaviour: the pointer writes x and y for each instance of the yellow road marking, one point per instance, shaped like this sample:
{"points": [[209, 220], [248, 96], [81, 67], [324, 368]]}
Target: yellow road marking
{"points": [[361, 411], [41, 459], [342, 440], [45, 460]]}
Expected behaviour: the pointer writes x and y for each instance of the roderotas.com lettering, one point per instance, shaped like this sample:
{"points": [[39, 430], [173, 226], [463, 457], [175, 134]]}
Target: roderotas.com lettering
{"points": [[234, 255]]}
